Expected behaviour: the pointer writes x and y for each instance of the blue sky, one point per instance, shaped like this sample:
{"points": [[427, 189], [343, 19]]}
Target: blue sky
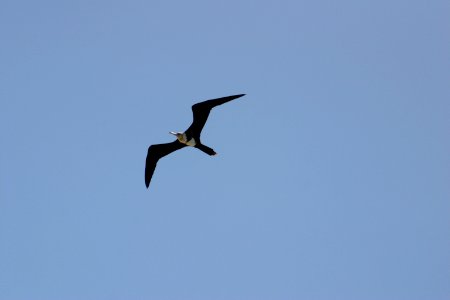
{"points": [[332, 179]]}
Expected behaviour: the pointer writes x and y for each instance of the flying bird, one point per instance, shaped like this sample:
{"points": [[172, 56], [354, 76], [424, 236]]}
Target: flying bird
{"points": [[191, 137]]}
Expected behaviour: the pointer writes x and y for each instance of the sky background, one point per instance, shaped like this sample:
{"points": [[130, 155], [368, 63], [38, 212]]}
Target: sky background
{"points": [[332, 179]]}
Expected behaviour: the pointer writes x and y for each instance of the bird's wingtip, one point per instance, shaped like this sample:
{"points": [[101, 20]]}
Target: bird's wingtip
{"points": [[237, 96]]}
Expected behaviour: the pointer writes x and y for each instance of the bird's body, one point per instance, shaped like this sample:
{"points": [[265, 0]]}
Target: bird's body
{"points": [[191, 137], [184, 139]]}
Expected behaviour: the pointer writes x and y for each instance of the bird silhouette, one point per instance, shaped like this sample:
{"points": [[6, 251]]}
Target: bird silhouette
{"points": [[191, 137]]}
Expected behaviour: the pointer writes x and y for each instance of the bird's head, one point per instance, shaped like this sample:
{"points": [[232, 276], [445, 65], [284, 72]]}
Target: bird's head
{"points": [[179, 135]]}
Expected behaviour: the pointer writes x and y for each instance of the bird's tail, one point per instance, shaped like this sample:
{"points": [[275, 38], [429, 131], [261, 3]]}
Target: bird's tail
{"points": [[205, 149]]}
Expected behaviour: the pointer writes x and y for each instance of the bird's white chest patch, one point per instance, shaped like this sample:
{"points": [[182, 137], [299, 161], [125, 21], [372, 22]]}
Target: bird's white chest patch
{"points": [[184, 140], [191, 142]]}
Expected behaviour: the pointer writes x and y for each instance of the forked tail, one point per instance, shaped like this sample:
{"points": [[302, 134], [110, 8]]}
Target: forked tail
{"points": [[205, 149]]}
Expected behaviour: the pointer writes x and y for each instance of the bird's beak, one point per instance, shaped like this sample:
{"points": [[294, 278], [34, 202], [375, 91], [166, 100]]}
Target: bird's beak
{"points": [[174, 133]]}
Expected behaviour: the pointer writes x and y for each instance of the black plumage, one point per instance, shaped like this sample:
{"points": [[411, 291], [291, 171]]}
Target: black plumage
{"points": [[191, 137]]}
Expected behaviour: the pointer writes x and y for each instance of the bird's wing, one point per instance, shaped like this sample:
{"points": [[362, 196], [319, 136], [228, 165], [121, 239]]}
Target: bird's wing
{"points": [[155, 152], [201, 112]]}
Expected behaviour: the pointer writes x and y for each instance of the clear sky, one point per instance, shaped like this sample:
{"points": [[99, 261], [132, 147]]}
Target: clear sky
{"points": [[332, 179]]}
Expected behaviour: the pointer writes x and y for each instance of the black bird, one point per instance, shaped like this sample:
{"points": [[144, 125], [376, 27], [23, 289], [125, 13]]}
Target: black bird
{"points": [[191, 137]]}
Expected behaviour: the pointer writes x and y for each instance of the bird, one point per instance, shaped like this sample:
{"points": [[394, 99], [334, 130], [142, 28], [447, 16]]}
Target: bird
{"points": [[190, 137]]}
